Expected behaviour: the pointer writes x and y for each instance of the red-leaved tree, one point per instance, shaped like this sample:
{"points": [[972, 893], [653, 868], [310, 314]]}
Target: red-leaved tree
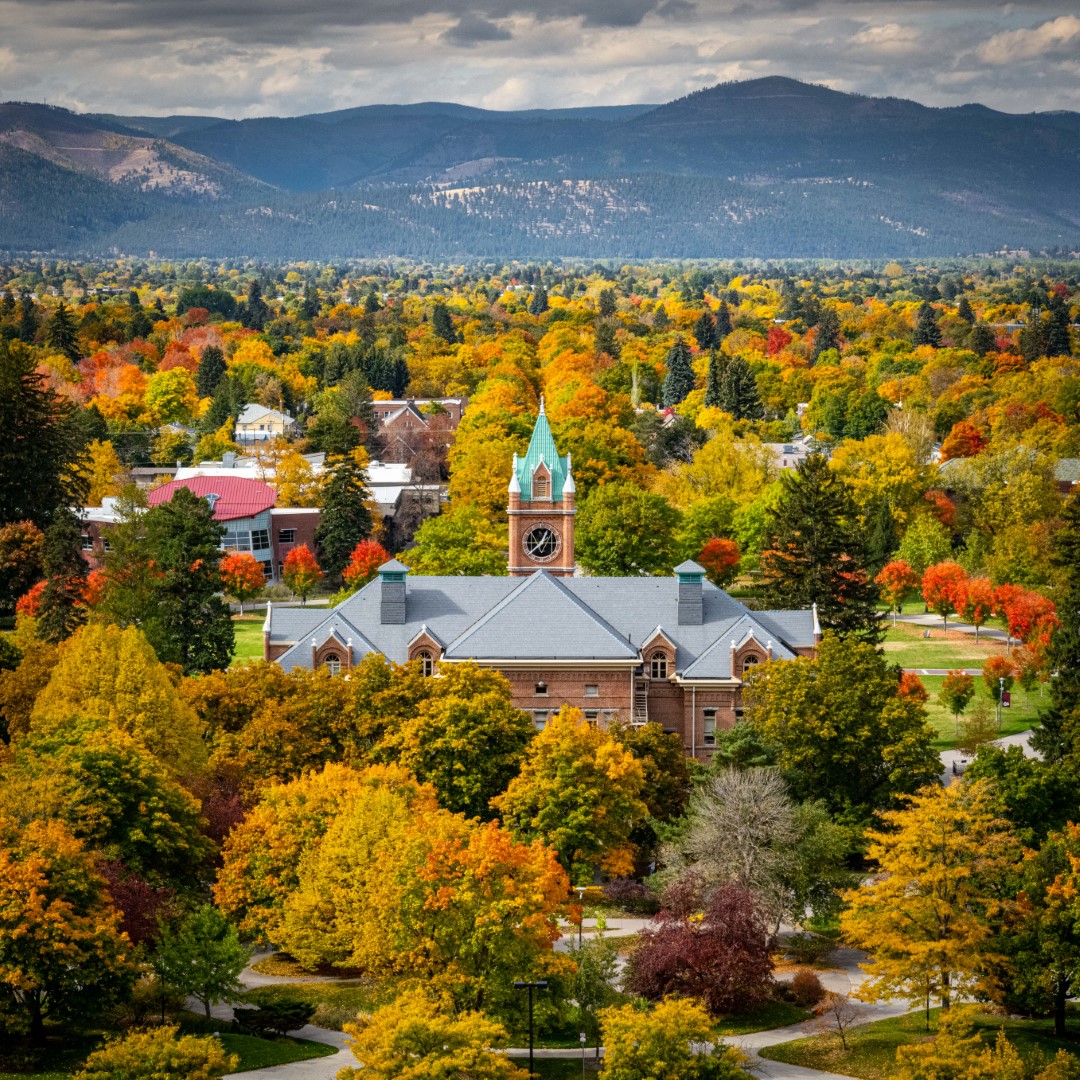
{"points": [[965, 440], [720, 557], [301, 571], [29, 604], [896, 580], [978, 603], [364, 563], [1026, 613], [994, 671], [721, 958], [911, 687], [242, 576], [943, 586]]}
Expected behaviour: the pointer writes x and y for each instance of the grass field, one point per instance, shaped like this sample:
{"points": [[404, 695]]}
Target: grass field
{"points": [[905, 645], [249, 639], [871, 1051], [336, 1003], [1020, 716]]}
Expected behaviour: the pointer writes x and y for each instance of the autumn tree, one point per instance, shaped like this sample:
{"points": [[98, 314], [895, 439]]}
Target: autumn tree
{"points": [[61, 609], [722, 957], [897, 581], [202, 955], [957, 690], [459, 541], [22, 550], [578, 791], [675, 1041], [104, 471], [415, 1038], [977, 602], [840, 729], [301, 573], [242, 576], [928, 919], [998, 673], [720, 557], [624, 531], [159, 1054], [943, 588], [815, 554], [364, 563], [62, 956], [466, 739], [345, 518]]}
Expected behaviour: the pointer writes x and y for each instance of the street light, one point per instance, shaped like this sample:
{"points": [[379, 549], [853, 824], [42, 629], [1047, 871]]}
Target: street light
{"points": [[530, 986], [580, 890], [1001, 695]]}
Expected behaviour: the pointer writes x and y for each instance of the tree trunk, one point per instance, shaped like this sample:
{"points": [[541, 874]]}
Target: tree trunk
{"points": [[1061, 994], [944, 990], [206, 1008], [37, 1023]]}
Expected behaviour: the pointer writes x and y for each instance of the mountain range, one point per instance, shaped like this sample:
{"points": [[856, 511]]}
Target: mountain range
{"points": [[769, 167]]}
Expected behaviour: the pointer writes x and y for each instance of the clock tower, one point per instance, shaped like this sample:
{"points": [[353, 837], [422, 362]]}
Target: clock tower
{"points": [[541, 508]]}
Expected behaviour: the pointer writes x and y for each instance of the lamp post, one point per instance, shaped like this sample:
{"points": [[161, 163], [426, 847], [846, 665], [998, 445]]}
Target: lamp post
{"points": [[1001, 695], [530, 986], [580, 890]]}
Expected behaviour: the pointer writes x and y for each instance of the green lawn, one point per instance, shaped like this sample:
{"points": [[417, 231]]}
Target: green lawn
{"points": [[249, 639], [555, 1068], [906, 646], [261, 1053], [772, 1015], [1023, 714], [872, 1047]]}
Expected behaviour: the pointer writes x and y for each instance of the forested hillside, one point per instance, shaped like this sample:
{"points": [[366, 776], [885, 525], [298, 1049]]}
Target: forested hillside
{"points": [[772, 167]]}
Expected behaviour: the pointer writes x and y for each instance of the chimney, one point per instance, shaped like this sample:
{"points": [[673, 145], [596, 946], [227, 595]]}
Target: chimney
{"points": [[691, 601], [228, 459], [392, 576]]}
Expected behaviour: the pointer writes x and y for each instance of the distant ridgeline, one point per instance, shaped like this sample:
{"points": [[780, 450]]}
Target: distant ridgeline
{"points": [[771, 167]]}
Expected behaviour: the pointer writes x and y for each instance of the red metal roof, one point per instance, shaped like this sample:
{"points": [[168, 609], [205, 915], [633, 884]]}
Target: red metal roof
{"points": [[237, 496]]}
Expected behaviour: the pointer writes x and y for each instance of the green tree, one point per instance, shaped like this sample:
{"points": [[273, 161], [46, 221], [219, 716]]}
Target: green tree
{"points": [[159, 1054], [538, 303], [705, 331], [1058, 341], [594, 982], [62, 609], [459, 541], [842, 732], [965, 311], [723, 321], [925, 543], [62, 955], [202, 956], [211, 371], [828, 332], [713, 382], [927, 331], [466, 739], [622, 530], [62, 335], [254, 313], [957, 690], [442, 324], [816, 555], [738, 391], [606, 303], [190, 625], [679, 380], [42, 443], [345, 519]]}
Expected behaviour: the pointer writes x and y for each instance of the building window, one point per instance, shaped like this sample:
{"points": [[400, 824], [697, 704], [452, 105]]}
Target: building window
{"points": [[236, 541], [267, 568], [260, 539], [748, 665], [659, 665], [333, 663], [541, 689], [592, 690], [286, 536], [87, 542], [710, 727], [105, 544], [540, 720], [427, 664], [591, 717], [540, 487]]}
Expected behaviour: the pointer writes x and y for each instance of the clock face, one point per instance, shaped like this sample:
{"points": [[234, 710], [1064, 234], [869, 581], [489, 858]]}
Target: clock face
{"points": [[542, 543]]}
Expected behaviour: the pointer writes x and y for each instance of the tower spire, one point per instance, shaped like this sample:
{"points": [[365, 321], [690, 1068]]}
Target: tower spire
{"points": [[542, 413]]}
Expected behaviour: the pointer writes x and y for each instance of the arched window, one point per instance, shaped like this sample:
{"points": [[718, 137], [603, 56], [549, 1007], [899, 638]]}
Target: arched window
{"points": [[659, 665], [427, 664], [333, 663], [748, 665]]}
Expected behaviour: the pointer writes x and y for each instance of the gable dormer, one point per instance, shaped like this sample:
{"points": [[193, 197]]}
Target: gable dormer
{"points": [[335, 653], [427, 649], [748, 653], [541, 483], [658, 655]]}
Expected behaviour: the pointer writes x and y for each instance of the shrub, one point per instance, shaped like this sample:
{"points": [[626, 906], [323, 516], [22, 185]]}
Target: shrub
{"points": [[806, 988], [159, 1055], [279, 1017], [809, 948], [632, 896]]}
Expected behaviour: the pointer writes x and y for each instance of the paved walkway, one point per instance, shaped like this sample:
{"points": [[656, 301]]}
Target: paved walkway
{"points": [[932, 621]]}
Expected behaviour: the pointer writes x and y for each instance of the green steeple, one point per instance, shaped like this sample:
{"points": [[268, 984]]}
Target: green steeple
{"points": [[542, 448]]}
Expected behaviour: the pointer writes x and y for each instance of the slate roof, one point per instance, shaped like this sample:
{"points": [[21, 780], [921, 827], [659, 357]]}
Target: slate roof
{"points": [[1067, 470], [250, 413], [542, 617]]}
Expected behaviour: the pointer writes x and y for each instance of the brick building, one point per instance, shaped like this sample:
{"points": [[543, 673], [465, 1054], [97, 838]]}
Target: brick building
{"points": [[672, 650]]}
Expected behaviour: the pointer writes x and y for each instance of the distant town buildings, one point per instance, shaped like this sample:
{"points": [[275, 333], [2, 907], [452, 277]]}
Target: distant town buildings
{"points": [[257, 423]]}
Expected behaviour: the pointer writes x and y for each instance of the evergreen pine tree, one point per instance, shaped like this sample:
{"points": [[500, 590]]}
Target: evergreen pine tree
{"points": [[661, 320], [705, 331], [62, 611], [1065, 642], [828, 332], [679, 380], [442, 324], [815, 553], [738, 391], [882, 538], [7, 304], [345, 519], [713, 380], [927, 331], [62, 334], [723, 322], [981, 340], [225, 404], [211, 371], [254, 313], [965, 310], [191, 624], [28, 319], [372, 305], [309, 306], [607, 303], [539, 302], [1057, 327], [1032, 338], [605, 339]]}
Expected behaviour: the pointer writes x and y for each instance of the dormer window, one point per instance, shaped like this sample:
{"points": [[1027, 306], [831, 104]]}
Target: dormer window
{"points": [[427, 664], [749, 664], [658, 665], [333, 663], [541, 487]]}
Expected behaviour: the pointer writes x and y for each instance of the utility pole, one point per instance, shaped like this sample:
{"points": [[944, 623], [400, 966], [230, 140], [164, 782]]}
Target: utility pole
{"points": [[530, 986]]}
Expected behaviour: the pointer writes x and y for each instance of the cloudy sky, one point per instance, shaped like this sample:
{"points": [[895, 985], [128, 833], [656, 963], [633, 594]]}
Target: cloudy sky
{"points": [[284, 57]]}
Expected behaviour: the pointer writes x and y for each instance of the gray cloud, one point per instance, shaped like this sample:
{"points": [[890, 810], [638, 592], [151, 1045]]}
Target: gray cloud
{"points": [[281, 57]]}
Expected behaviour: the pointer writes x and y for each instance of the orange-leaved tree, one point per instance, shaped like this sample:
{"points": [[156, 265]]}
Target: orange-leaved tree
{"points": [[242, 576], [896, 580], [1026, 613], [301, 572], [979, 602], [963, 441], [364, 563], [720, 557], [943, 587], [911, 687], [998, 673]]}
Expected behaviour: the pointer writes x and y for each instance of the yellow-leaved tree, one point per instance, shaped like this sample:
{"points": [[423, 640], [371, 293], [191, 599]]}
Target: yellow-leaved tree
{"points": [[110, 677], [415, 1039], [579, 792], [104, 470], [928, 919]]}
